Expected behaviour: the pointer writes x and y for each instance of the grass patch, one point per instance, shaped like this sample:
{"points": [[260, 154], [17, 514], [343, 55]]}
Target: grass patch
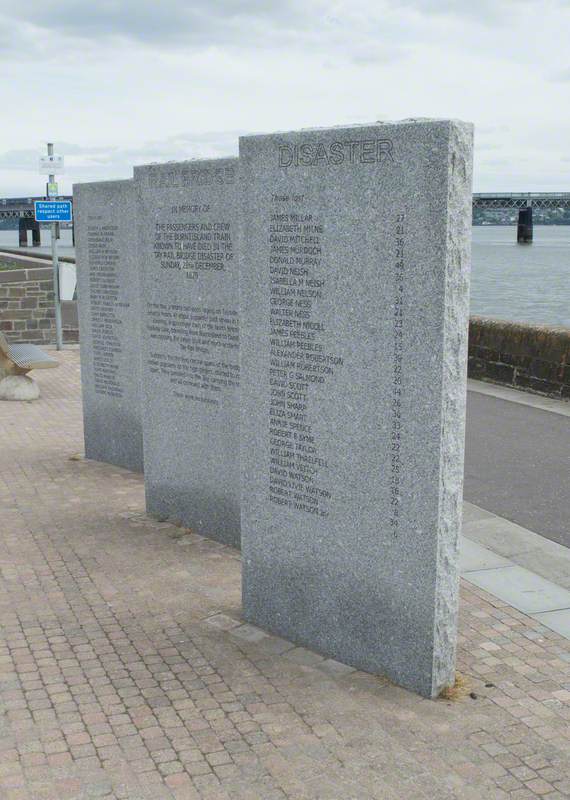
{"points": [[458, 691], [4, 265]]}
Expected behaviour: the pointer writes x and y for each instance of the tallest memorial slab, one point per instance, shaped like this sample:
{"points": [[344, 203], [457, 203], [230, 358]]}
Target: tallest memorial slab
{"points": [[354, 311]]}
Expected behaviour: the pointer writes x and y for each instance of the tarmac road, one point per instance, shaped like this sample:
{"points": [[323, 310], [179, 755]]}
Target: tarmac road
{"points": [[517, 464]]}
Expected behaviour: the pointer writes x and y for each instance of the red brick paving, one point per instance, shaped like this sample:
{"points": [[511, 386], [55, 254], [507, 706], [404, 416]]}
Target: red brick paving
{"points": [[124, 672]]}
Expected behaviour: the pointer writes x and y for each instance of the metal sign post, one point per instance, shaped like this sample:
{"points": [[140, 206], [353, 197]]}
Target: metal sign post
{"points": [[55, 263]]}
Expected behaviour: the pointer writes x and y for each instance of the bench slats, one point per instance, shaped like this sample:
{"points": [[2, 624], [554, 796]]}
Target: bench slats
{"points": [[30, 356]]}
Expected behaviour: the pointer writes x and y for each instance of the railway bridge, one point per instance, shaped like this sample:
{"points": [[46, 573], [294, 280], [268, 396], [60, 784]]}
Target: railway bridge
{"points": [[525, 202], [22, 209]]}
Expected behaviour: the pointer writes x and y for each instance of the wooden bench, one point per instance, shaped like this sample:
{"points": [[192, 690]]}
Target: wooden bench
{"points": [[19, 359]]}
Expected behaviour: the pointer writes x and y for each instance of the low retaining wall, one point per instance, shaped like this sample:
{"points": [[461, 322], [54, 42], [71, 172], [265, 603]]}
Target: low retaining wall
{"points": [[532, 357], [27, 310], [535, 357]]}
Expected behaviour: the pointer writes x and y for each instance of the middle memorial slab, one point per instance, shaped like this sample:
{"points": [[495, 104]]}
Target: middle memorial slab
{"points": [[190, 343]]}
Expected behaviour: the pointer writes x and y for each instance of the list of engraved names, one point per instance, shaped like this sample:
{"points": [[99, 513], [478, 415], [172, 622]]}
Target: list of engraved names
{"points": [[300, 364], [107, 305]]}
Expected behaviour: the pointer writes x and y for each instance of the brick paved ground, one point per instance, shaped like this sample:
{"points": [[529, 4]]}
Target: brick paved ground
{"points": [[125, 672]]}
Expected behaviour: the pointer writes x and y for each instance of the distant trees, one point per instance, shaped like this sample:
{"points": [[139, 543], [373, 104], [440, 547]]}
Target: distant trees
{"points": [[509, 216]]}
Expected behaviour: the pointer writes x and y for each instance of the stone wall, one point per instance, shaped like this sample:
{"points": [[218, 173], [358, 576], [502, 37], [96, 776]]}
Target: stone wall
{"points": [[525, 356], [534, 357], [27, 310]]}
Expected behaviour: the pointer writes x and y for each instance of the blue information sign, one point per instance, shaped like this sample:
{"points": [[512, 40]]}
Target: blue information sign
{"points": [[54, 211]]}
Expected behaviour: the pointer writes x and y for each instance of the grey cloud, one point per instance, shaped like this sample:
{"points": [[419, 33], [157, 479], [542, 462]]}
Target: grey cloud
{"points": [[102, 162], [483, 147], [485, 11], [498, 162], [200, 22], [17, 39], [563, 76], [19, 159], [492, 130], [70, 149], [289, 25], [369, 54], [28, 159], [6, 41]]}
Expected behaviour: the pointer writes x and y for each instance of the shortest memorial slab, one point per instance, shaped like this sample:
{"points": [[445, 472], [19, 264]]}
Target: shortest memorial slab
{"points": [[109, 321], [186, 216], [355, 245]]}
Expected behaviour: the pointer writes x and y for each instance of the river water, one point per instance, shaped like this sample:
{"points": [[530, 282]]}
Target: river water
{"points": [[525, 283]]}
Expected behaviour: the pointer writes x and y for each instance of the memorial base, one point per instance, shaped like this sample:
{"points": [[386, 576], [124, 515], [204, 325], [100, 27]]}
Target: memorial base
{"points": [[18, 387]]}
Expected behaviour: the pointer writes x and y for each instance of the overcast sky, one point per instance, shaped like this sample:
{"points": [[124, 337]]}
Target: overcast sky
{"points": [[120, 82]]}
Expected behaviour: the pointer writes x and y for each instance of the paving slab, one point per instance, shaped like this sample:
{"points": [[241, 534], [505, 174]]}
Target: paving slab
{"points": [[473, 513], [500, 535], [518, 545], [475, 557], [521, 589], [558, 621], [249, 633]]}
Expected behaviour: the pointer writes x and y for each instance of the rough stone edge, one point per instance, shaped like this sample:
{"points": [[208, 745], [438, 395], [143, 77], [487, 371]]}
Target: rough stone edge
{"points": [[140, 170], [392, 123], [454, 383]]}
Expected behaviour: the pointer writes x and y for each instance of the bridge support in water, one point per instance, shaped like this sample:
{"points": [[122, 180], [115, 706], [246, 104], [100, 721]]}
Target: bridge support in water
{"points": [[524, 228], [25, 225]]}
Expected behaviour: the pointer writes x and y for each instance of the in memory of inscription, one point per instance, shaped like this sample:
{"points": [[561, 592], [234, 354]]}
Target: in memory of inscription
{"points": [[193, 247], [194, 347]]}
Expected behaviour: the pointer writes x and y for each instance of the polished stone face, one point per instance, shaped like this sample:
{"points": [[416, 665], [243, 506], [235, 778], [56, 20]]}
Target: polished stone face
{"points": [[186, 216], [109, 321], [354, 248]]}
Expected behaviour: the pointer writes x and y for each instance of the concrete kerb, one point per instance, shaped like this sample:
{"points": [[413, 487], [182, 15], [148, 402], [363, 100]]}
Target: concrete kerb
{"points": [[520, 396], [519, 567]]}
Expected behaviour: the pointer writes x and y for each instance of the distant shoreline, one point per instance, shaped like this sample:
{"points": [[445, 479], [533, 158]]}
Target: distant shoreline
{"points": [[514, 224]]}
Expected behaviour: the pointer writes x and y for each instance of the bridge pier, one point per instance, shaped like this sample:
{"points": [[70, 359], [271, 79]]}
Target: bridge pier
{"points": [[25, 225], [525, 228]]}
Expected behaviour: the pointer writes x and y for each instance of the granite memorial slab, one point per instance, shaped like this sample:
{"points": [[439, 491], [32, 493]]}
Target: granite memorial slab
{"points": [[109, 321], [190, 343], [355, 254]]}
